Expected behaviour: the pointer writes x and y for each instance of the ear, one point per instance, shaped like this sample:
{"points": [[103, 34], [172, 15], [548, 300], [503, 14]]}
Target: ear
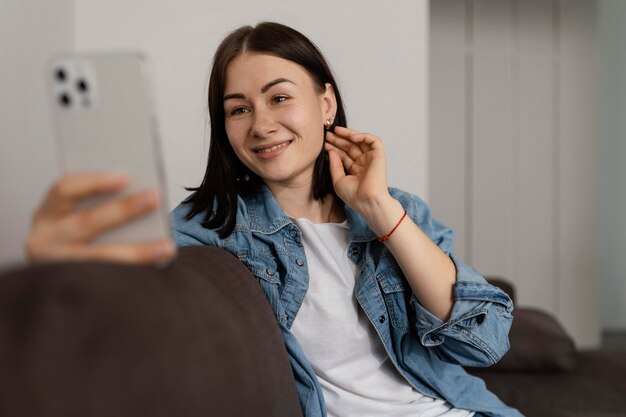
{"points": [[328, 103]]}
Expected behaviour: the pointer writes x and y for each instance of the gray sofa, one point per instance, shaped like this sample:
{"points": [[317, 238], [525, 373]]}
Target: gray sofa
{"points": [[544, 375], [199, 339]]}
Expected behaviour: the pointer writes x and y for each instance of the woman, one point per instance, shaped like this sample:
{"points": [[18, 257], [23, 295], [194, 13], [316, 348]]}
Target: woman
{"points": [[377, 315]]}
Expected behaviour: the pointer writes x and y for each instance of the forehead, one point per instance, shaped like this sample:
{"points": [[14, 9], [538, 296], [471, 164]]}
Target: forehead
{"points": [[252, 70]]}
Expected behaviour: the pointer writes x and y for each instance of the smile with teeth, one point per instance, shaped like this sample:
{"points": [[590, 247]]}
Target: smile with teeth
{"points": [[273, 148]]}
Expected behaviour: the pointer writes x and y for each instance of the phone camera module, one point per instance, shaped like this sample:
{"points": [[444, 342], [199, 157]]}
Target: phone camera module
{"points": [[82, 86], [65, 100], [60, 74]]}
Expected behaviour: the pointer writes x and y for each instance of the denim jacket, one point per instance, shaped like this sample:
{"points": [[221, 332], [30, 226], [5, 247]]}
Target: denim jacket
{"points": [[428, 352]]}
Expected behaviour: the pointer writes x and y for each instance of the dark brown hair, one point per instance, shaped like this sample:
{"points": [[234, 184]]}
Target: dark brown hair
{"points": [[226, 177]]}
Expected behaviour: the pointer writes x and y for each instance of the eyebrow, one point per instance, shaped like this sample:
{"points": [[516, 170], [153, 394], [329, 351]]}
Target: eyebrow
{"points": [[263, 89]]}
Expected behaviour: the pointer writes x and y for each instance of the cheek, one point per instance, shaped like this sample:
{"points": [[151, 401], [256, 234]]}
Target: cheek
{"points": [[238, 148], [235, 137], [307, 121]]}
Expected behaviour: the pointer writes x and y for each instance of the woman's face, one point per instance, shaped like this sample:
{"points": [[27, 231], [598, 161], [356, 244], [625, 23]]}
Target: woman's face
{"points": [[275, 116]]}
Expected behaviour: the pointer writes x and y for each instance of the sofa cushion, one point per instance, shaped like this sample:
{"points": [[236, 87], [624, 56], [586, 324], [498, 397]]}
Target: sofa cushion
{"points": [[595, 388], [196, 338]]}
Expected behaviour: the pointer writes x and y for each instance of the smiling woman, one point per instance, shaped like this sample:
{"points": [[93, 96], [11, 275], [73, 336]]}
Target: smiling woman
{"points": [[377, 315], [372, 328]]}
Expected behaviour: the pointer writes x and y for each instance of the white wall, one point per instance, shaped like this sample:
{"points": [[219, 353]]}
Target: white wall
{"points": [[29, 32], [378, 51], [382, 75]]}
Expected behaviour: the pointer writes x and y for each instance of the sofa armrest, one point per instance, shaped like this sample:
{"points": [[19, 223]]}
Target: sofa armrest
{"points": [[92, 339]]}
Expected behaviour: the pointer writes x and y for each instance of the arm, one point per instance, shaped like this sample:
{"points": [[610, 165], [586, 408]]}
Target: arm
{"points": [[464, 319], [429, 271], [476, 331]]}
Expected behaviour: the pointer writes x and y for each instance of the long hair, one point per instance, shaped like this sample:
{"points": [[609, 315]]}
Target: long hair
{"points": [[226, 177]]}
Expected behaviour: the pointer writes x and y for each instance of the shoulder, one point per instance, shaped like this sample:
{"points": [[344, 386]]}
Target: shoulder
{"points": [[413, 204], [190, 231], [420, 213]]}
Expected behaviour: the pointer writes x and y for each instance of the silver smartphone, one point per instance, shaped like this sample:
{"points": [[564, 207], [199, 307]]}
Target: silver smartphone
{"points": [[105, 120]]}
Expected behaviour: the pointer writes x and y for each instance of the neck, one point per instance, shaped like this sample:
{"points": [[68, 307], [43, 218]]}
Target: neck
{"points": [[298, 202]]}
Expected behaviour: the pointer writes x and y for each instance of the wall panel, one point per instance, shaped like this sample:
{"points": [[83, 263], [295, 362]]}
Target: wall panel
{"points": [[448, 79], [530, 204], [492, 195], [537, 266]]}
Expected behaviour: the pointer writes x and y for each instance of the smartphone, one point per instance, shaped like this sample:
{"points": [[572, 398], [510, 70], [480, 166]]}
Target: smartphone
{"points": [[105, 120]]}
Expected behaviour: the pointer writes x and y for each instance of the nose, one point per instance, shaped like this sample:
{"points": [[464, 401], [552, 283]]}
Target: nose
{"points": [[263, 124]]}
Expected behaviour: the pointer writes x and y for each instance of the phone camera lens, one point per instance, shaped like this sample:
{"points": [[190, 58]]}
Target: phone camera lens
{"points": [[65, 100], [82, 86], [60, 75]]}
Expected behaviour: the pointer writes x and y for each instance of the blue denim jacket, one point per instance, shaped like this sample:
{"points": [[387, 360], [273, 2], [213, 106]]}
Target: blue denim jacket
{"points": [[428, 352]]}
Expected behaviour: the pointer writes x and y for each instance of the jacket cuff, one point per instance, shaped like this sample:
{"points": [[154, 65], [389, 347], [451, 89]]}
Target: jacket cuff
{"points": [[480, 315]]}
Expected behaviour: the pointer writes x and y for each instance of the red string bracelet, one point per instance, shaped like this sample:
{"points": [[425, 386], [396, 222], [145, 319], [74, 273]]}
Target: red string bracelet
{"points": [[388, 235]]}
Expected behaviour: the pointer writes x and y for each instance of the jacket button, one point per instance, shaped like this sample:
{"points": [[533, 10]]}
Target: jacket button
{"points": [[293, 233], [356, 251], [270, 272], [299, 262], [381, 319]]}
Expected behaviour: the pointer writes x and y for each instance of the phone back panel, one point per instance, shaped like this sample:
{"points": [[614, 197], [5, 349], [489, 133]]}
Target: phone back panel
{"points": [[105, 121]]}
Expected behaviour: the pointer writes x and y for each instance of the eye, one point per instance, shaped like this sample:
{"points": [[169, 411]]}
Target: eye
{"points": [[279, 99], [238, 110]]}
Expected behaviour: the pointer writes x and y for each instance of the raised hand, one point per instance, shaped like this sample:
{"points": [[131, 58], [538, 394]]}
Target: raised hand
{"points": [[61, 231], [362, 155]]}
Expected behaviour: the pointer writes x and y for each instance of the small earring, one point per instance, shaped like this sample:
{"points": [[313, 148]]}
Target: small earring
{"points": [[328, 123]]}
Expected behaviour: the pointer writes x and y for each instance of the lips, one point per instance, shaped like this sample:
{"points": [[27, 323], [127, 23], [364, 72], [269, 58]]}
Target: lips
{"points": [[272, 148]]}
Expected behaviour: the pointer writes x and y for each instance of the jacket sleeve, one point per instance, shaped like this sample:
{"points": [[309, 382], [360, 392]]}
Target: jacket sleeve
{"points": [[476, 334]]}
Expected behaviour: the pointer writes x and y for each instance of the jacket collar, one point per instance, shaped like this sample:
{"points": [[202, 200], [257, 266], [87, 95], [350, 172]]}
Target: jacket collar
{"points": [[267, 217]]}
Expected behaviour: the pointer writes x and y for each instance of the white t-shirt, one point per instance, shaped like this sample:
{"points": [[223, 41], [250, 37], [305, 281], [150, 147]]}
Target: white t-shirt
{"points": [[355, 373]]}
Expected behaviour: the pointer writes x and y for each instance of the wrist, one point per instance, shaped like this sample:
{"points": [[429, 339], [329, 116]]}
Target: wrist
{"points": [[382, 215]]}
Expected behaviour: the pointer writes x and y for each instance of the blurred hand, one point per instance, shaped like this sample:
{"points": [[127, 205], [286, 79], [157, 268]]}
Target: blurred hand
{"points": [[60, 231]]}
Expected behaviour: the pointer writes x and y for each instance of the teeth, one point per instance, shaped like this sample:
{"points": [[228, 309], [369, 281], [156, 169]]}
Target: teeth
{"points": [[273, 148]]}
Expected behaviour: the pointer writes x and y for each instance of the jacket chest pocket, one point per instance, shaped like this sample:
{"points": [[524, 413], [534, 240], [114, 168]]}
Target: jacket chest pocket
{"points": [[393, 287]]}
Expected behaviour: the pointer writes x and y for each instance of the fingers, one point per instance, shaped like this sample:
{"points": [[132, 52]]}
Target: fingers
{"points": [[364, 140], [344, 147], [62, 230], [354, 143], [90, 223], [344, 158], [58, 218], [142, 253], [356, 150], [66, 192]]}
